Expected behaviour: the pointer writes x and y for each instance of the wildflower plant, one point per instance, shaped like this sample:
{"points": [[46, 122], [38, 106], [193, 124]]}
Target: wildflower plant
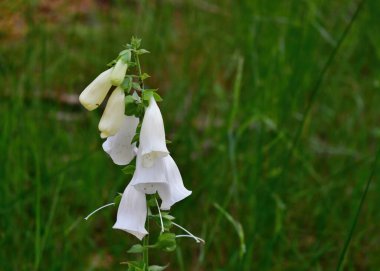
{"points": [[133, 129]]}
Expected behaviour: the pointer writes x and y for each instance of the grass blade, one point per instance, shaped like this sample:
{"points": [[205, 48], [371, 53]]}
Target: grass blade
{"points": [[237, 226], [358, 211], [321, 77]]}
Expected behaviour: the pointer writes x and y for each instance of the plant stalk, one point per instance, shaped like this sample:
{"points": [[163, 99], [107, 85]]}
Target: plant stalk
{"points": [[139, 69]]}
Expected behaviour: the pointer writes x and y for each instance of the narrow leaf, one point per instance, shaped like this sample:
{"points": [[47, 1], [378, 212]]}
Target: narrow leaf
{"points": [[136, 86], [157, 267], [237, 226], [147, 94], [138, 248], [142, 51], [157, 97], [144, 76]]}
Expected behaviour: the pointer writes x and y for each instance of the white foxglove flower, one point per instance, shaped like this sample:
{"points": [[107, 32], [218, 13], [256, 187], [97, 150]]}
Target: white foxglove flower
{"points": [[152, 135], [132, 212], [163, 177], [149, 180], [175, 190], [93, 95], [119, 146], [113, 114], [118, 72]]}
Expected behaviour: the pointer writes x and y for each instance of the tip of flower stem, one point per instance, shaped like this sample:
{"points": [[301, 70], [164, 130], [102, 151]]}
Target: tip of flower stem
{"points": [[197, 239], [100, 208]]}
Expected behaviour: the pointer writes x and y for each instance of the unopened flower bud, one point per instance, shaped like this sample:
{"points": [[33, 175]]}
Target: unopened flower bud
{"points": [[118, 72], [113, 114], [93, 95]]}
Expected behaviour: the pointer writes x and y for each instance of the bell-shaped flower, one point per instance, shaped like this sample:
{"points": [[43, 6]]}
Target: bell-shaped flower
{"points": [[149, 180], [174, 191], [118, 72], [119, 146], [132, 212], [152, 135], [113, 114], [93, 95], [163, 177]]}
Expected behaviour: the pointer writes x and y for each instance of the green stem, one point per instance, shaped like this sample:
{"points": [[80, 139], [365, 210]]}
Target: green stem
{"points": [[139, 69]]}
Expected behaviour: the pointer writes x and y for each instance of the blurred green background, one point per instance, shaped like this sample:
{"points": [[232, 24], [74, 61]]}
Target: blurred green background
{"points": [[272, 108]]}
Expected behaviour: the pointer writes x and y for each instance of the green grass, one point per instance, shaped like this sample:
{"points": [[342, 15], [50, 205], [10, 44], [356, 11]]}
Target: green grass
{"points": [[237, 78]]}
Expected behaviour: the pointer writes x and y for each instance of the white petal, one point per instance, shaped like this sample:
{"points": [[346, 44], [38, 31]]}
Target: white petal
{"points": [[107, 145], [152, 135], [93, 95], [132, 213], [118, 72], [175, 190], [119, 146], [113, 114], [149, 180]]}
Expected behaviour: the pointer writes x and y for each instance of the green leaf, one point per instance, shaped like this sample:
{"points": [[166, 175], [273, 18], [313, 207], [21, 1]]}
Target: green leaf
{"points": [[152, 203], [136, 86], [144, 76], [170, 248], [167, 216], [157, 267], [157, 97], [147, 94], [138, 248], [142, 51], [168, 141], [135, 42], [129, 170], [131, 109], [140, 110], [136, 266], [166, 242], [136, 97], [127, 83], [129, 99], [146, 103], [131, 64], [117, 199], [167, 224]]}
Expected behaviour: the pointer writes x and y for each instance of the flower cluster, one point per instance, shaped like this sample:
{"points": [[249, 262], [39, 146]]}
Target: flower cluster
{"points": [[136, 134], [156, 171]]}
